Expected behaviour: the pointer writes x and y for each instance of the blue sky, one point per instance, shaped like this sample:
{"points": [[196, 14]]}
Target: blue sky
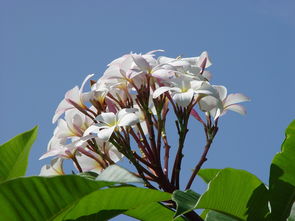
{"points": [[48, 47]]}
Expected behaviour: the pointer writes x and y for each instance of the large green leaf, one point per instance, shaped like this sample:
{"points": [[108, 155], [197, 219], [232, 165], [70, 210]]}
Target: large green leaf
{"points": [[43, 198], [14, 155], [208, 174], [216, 216], [238, 193], [282, 178], [185, 201], [153, 212], [120, 198], [69, 197]]}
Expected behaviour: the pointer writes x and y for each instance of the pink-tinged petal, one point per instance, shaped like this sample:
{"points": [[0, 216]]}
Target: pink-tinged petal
{"points": [[111, 106], [237, 108], [160, 90], [55, 168], [197, 116], [53, 152], [62, 107], [235, 98], [222, 91], [141, 62], [128, 120], [183, 99], [107, 118], [163, 74], [74, 95], [84, 82], [105, 134], [204, 61]]}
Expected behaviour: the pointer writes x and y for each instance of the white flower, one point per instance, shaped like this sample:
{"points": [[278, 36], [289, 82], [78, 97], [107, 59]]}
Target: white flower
{"points": [[109, 122], [74, 125], [58, 147], [219, 105], [183, 90], [55, 168], [74, 95]]}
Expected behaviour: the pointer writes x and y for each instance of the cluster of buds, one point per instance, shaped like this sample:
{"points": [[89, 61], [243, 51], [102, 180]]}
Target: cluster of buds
{"points": [[124, 115]]}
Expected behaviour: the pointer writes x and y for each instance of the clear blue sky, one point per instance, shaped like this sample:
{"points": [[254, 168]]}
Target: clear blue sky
{"points": [[48, 47]]}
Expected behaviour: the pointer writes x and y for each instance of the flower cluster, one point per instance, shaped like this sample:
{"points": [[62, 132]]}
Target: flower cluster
{"points": [[131, 101]]}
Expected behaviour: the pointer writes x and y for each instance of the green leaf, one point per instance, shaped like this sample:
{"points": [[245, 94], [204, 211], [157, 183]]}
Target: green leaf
{"points": [[217, 216], [43, 198], [118, 174], [238, 193], [153, 212], [120, 198], [101, 216], [68, 198], [14, 155], [185, 201], [208, 174], [282, 178]]}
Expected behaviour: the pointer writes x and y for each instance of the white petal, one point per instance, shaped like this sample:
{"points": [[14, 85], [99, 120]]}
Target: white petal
{"points": [[105, 134], [55, 168], [92, 129], [208, 103], [222, 91], [89, 164], [128, 120], [84, 82], [73, 95], [237, 108], [141, 62], [183, 99], [163, 74], [62, 107], [160, 91], [125, 111], [53, 152], [107, 118], [235, 98]]}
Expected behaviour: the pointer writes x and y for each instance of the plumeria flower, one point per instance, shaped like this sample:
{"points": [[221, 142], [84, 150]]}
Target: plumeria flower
{"points": [[55, 168], [152, 67], [91, 161], [183, 90], [109, 122], [219, 105], [190, 67], [74, 125], [58, 147], [73, 96]]}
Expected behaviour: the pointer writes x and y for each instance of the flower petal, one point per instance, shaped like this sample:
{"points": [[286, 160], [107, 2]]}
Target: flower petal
{"points": [[105, 134], [107, 118], [128, 120], [55, 168], [183, 99], [237, 108], [160, 91], [235, 98], [141, 62]]}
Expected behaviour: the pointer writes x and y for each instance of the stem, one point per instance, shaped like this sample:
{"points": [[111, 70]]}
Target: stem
{"points": [[210, 136]]}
